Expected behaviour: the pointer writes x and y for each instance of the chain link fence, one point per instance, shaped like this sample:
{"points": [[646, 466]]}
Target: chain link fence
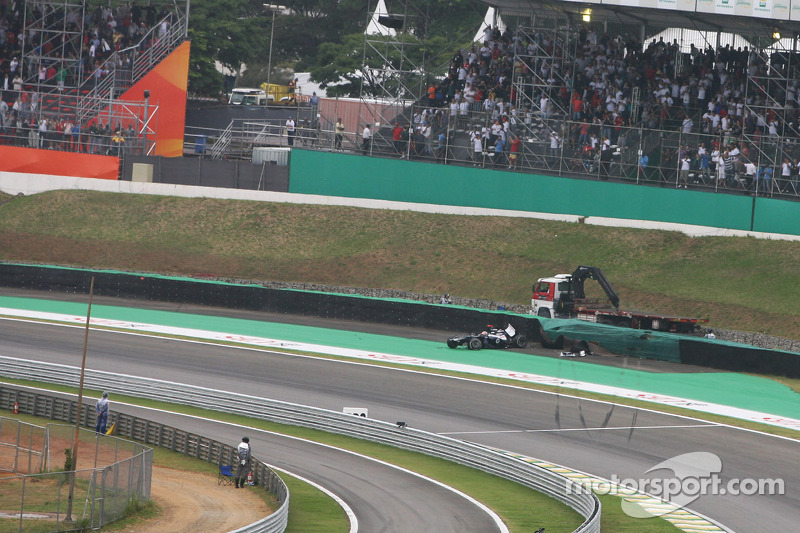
{"points": [[111, 471], [37, 482]]}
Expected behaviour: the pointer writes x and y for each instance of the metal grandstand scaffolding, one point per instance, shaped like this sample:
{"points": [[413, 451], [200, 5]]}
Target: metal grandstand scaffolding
{"points": [[52, 51], [394, 60], [546, 48], [542, 64], [772, 75], [127, 66]]}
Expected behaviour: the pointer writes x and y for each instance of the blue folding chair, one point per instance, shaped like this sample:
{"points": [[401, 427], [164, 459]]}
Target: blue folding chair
{"points": [[225, 475]]}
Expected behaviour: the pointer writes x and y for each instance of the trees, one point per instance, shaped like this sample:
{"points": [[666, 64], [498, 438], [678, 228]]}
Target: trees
{"points": [[318, 35], [227, 31], [377, 66]]}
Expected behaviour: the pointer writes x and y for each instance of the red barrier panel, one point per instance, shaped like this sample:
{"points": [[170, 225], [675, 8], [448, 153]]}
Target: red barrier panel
{"points": [[58, 163]]}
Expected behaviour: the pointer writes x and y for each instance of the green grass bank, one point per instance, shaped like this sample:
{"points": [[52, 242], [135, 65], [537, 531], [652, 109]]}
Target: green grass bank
{"points": [[737, 283]]}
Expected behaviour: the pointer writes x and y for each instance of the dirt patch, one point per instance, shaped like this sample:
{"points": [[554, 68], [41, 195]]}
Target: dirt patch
{"points": [[192, 502], [189, 501]]}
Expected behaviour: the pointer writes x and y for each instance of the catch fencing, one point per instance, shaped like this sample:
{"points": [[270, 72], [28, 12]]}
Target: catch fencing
{"points": [[397, 435], [109, 505], [37, 481], [641, 154]]}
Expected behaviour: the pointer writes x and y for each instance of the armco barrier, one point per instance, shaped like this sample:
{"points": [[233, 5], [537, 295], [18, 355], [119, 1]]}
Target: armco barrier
{"points": [[465, 453], [141, 430]]}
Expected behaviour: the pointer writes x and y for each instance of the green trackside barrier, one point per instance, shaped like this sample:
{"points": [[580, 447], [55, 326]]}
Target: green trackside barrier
{"points": [[776, 216], [354, 176]]}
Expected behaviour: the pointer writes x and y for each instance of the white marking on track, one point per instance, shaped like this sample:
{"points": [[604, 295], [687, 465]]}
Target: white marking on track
{"points": [[351, 516], [557, 430]]}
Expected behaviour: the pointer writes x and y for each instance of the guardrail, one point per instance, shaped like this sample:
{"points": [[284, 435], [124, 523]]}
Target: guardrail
{"points": [[153, 433], [461, 452]]}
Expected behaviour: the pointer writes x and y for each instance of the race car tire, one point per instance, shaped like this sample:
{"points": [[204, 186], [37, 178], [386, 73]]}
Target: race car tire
{"points": [[520, 341], [452, 343], [474, 344]]}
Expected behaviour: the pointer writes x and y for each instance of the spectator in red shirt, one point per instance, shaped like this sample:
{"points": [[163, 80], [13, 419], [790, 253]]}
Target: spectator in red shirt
{"points": [[397, 138]]}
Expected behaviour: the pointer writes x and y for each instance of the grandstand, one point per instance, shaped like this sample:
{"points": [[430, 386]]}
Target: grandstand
{"points": [[680, 94], [683, 94], [82, 80]]}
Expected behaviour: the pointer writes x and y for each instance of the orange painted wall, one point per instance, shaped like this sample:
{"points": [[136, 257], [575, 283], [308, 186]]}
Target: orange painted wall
{"points": [[57, 163], [167, 84]]}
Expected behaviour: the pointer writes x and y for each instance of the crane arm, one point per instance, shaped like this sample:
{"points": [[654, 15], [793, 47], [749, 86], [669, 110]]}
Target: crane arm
{"points": [[583, 272]]}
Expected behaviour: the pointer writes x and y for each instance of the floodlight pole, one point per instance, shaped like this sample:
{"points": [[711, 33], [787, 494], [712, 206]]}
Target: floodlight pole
{"points": [[272, 8], [76, 435]]}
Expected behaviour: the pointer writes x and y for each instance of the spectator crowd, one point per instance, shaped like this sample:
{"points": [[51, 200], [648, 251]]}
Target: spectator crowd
{"points": [[727, 116], [39, 94]]}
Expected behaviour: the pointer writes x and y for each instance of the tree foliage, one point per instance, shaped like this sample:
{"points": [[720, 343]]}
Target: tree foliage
{"points": [[224, 31], [377, 66], [323, 36]]}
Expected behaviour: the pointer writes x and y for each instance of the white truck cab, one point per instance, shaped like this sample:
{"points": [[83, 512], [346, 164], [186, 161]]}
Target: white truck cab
{"points": [[547, 293], [247, 96]]}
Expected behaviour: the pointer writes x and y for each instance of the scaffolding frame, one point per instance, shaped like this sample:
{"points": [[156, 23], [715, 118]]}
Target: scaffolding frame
{"points": [[400, 73], [53, 38], [550, 43], [769, 79]]}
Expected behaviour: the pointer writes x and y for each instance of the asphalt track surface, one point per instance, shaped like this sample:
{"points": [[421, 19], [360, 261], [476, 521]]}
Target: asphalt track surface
{"points": [[599, 438]]}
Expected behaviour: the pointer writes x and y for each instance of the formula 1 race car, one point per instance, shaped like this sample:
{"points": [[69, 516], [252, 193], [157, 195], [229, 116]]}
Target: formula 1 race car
{"points": [[491, 337]]}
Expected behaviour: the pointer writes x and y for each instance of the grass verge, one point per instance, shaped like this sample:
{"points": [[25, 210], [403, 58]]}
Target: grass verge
{"points": [[659, 271]]}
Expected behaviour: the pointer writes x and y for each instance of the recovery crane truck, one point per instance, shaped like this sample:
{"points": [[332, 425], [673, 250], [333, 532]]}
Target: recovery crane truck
{"points": [[563, 296]]}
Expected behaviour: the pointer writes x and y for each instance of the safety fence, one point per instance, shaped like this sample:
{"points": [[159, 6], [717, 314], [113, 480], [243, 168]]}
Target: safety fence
{"points": [[393, 434], [85, 142], [664, 155], [106, 490], [44, 488]]}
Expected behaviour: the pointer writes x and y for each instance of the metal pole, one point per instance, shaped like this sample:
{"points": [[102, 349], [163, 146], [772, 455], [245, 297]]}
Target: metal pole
{"points": [[269, 62], [76, 435], [186, 21], [446, 141], [679, 160], [640, 154]]}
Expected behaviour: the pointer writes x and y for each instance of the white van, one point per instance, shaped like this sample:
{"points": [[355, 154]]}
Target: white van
{"points": [[245, 96]]}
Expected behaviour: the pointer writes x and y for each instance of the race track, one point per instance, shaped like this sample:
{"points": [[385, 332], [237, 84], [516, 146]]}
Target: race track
{"points": [[599, 438]]}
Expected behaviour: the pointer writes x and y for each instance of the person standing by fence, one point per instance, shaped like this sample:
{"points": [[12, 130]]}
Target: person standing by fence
{"points": [[101, 408], [366, 136], [339, 134], [243, 463], [290, 131]]}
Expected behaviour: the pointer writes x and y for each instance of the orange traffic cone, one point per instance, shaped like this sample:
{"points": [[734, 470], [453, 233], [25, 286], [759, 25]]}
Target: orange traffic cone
{"points": [[250, 478], [16, 407]]}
